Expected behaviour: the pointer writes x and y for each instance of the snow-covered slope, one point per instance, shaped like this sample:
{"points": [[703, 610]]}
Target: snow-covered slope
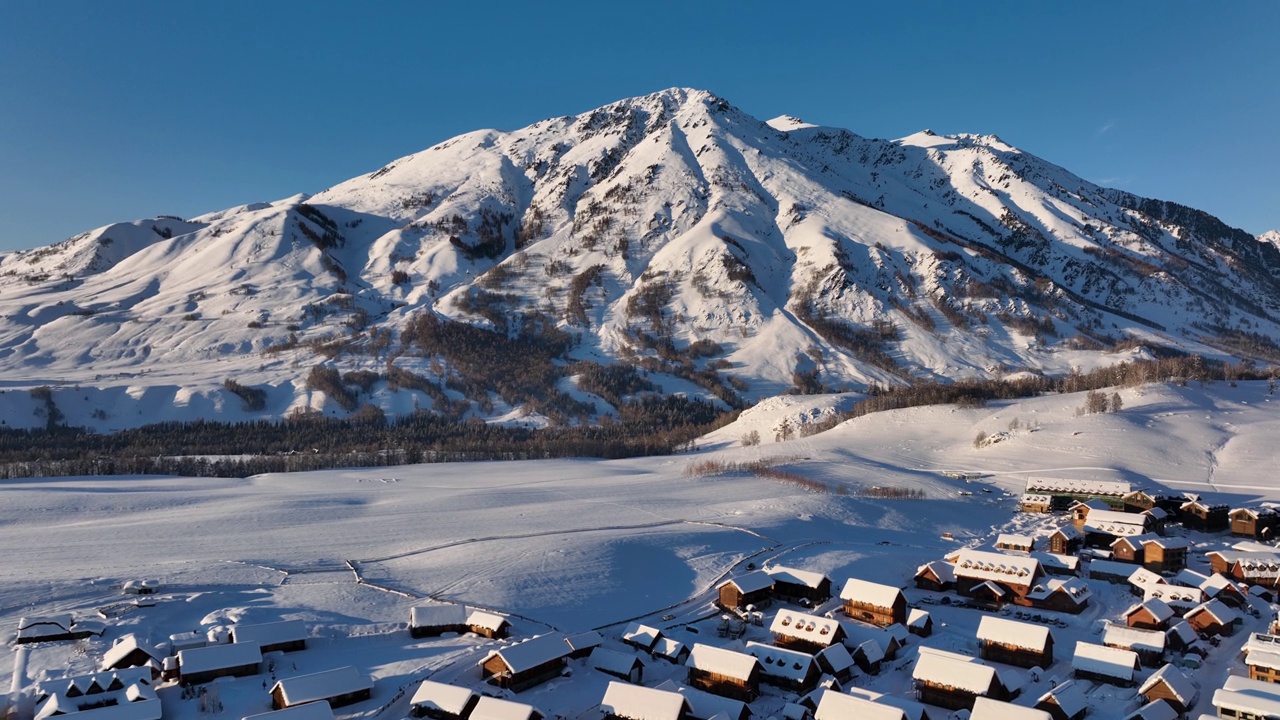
{"points": [[723, 254]]}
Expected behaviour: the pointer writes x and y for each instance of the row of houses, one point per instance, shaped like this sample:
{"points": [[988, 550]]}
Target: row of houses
{"points": [[760, 588], [995, 579]]}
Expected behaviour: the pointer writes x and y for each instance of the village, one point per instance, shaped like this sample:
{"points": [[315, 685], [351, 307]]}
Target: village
{"points": [[1098, 600]]}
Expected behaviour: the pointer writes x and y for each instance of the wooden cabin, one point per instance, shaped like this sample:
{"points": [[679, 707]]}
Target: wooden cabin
{"points": [[704, 705], [282, 636], [624, 666], [1139, 501], [938, 576], [440, 701], [832, 705], [581, 644], [1080, 511], [1259, 523], [201, 665], [806, 633], [435, 620], [1103, 664], [1247, 699], [889, 639], [1012, 575], [1066, 540], [1067, 701], [526, 664], [1213, 618], [754, 588], [1015, 542], [641, 637], [788, 669], [987, 709], [874, 603], [1055, 564], [339, 687], [1069, 595], [919, 622], [724, 672], [1168, 683], [954, 681], [836, 662], [1153, 614], [1035, 503], [307, 711], [1165, 554], [491, 708], [868, 656], [1148, 644], [487, 624], [1221, 588], [1155, 710], [628, 702], [1158, 520], [127, 652], [671, 650], [1103, 527], [1197, 514], [1253, 568], [802, 586], [1129, 549], [1015, 643], [911, 710], [1263, 665]]}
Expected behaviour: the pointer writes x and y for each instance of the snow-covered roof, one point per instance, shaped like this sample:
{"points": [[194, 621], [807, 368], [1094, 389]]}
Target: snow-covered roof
{"points": [[722, 662], [987, 709], [856, 633], [705, 704], [32, 627], [1067, 531], [1110, 567], [1092, 504], [990, 587], [490, 708], [1074, 588], [876, 594], [835, 706], [1013, 633], [532, 652], [438, 615], [640, 634], [938, 667], [1190, 578], [1255, 512], [984, 565], [432, 695], [642, 703], [584, 640], [1183, 631], [1102, 660], [1247, 701], [218, 657], [1069, 696], [1069, 563], [1180, 685], [1159, 709], [1177, 596], [1078, 487], [486, 620], [1143, 578], [1159, 609], [811, 628], [1216, 583], [1035, 499], [1014, 540], [1129, 638], [1264, 658], [870, 650], [836, 657], [1168, 543], [321, 685], [751, 582], [1262, 641], [781, 662], [1258, 591], [1216, 609], [1111, 522], [125, 645], [944, 571], [913, 709], [1157, 513], [125, 676], [612, 661], [1133, 542], [917, 618], [306, 711], [134, 702], [272, 633], [807, 578], [668, 648]]}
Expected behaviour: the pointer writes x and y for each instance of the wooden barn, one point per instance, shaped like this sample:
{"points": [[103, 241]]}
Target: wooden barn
{"points": [[800, 585], [1104, 664], [128, 651], [1259, 523], [724, 672], [868, 656], [1066, 540], [1213, 618], [628, 702], [1253, 568], [1067, 701], [282, 636], [788, 669], [1153, 614], [938, 576], [874, 603], [487, 624], [440, 701], [1168, 683], [1015, 643], [200, 665], [1013, 576], [953, 681], [339, 687], [806, 633], [1199, 515], [1148, 644], [754, 588], [526, 664], [624, 666], [435, 620], [1165, 554]]}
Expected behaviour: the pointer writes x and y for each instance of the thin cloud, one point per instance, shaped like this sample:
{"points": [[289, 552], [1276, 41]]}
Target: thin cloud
{"points": [[1106, 128]]}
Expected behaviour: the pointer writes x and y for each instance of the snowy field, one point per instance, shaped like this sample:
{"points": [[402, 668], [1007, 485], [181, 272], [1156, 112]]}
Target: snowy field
{"points": [[572, 545]]}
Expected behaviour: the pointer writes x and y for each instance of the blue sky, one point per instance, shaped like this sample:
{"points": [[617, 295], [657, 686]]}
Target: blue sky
{"points": [[112, 111]]}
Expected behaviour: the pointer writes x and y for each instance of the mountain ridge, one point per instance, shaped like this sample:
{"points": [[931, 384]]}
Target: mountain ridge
{"points": [[724, 257]]}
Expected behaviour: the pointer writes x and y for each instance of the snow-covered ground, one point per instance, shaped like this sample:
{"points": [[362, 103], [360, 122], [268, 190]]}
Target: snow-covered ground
{"points": [[572, 545]]}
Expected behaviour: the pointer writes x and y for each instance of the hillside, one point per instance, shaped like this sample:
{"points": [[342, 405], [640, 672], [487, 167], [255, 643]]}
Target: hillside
{"points": [[720, 256]]}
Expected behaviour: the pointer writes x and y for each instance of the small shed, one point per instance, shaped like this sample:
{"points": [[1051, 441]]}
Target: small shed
{"points": [[800, 585], [1016, 542], [1015, 643], [624, 666], [1035, 503], [437, 619], [340, 687], [724, 672], [874, 603], [200, 665], [581, 644], [526, 664], [1065, 702], [628, 702], [753, 588], [1168, 683], [641, 637], [836, 662], [441, 701], [487, 624], [807, 633], [491, 708], [1181, 636], [1153, 614], [788, 669], [283, 636], [1103, 664], [919, 622], [1148, 644], [671, 650]]}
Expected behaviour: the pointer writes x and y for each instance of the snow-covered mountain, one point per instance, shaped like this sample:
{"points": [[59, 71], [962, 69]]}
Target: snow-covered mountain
{"points": [[673, 232]]}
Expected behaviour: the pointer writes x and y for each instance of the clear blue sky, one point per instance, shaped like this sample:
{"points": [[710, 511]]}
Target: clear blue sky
{"points": [[117, 110]]}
